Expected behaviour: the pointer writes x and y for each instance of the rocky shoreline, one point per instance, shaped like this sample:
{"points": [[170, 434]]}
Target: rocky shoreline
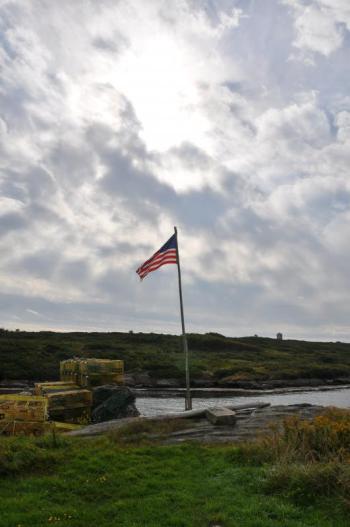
{"points": [[144, 380], [251, 421], [143, 386], [229, 392]]}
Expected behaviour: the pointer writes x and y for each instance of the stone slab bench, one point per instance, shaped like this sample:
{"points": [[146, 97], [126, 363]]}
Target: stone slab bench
{"points": [[221, 416]]}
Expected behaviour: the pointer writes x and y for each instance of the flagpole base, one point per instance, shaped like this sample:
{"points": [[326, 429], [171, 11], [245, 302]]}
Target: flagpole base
{"points": [[188, 402]]}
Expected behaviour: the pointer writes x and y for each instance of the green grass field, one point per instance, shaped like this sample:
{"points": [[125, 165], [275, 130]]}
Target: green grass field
{"points": [[82, 483], [297, 476], [36, 356]]}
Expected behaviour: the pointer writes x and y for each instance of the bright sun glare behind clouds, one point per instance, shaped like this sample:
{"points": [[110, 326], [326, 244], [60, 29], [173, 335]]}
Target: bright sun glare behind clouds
{"points": [[159, 78]]}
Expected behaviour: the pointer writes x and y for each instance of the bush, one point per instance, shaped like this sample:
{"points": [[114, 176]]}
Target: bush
{"points": [[324, 438], [311, 458]]}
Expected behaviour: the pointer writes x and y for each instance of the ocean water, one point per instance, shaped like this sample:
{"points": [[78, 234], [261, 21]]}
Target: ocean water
{"points": [[150, 406]]}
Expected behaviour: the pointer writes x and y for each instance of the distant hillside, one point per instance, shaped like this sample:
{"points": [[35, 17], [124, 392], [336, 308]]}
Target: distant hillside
{"points": [[36, 356]]}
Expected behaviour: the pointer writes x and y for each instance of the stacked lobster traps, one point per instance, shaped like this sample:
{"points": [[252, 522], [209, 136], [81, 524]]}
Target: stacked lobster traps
{"points": [[66, 401]]}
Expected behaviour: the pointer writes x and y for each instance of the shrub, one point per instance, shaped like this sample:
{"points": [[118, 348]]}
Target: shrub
{"points": [[311, 458], [324, 438]]}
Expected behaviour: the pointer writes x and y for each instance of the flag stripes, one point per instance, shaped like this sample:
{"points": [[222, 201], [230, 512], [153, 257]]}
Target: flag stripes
{"points": [[166, 255]]}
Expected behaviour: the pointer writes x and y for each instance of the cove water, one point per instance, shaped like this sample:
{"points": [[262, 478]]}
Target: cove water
{"points": [[150, 406]]}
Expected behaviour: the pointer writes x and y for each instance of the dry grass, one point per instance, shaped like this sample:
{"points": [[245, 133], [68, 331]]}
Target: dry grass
{"points": [[310, 458], [322, 439]]}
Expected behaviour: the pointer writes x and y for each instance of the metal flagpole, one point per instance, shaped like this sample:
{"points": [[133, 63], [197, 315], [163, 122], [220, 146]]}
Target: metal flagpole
{"points": [[188, 400]]}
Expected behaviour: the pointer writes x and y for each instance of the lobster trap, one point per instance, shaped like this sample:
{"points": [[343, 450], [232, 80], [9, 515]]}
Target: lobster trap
{"points": [[23, 414]]}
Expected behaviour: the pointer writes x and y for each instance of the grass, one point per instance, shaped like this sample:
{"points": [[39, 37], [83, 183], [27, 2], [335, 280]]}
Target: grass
{"points": [[36, 355], [21, 455], [148, 430], [78, 483]]}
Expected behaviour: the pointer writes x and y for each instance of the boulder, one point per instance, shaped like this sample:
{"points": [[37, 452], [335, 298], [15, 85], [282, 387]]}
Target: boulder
{"points": [[140, 380], [129, 379], [101, 393], [342, 380], [120, 403]]}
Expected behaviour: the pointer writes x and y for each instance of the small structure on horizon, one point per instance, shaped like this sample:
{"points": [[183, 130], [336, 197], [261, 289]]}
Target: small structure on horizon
{"points": [[279, 336]]}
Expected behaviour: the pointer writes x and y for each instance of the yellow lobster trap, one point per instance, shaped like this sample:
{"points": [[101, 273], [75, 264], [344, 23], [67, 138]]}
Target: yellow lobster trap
{"points": [[23, 414], [44, 388], [67, 402], [92, 372], [70, 406]]}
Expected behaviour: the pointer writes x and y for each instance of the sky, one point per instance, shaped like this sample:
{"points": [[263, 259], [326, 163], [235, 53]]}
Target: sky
{"points": [[227, 118]]}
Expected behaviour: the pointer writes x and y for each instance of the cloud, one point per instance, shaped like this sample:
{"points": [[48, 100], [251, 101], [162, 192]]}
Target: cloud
{"points": [[320, 24], [119, 120]]}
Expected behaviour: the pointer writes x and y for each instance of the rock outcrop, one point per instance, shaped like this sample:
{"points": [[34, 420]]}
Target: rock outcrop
{"points": [[251, 420]]}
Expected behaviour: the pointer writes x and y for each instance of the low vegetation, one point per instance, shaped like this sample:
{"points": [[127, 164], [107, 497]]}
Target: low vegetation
{"points": [[36, 356], [145, 431], [306, 460]]}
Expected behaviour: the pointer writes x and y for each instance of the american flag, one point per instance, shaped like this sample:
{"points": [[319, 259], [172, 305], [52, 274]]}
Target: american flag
{"points": [[167, 254]]}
